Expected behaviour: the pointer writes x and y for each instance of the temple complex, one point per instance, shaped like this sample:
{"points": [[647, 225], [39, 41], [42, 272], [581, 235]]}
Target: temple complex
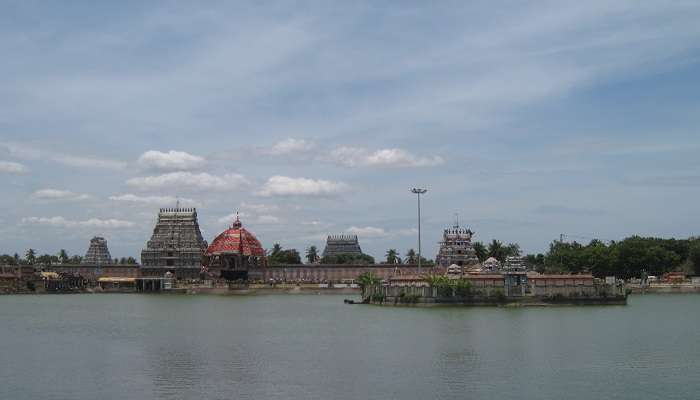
{"points": [[176, 245], [235, 255], [97, 253], [456, 248], [341, 244]]}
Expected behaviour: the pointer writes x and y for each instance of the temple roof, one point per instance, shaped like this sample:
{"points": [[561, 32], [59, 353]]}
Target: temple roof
{"points": [[236, 240]]}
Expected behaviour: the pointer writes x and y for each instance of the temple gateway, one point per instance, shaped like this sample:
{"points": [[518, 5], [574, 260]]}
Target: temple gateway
{"points": [[342, 244], [176, 246], [97, 253], [456, 248]]}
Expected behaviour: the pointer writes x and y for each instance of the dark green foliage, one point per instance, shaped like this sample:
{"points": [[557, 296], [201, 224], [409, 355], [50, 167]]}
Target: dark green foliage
{"points": [[348, 259], [312, 254], [482, 252], [278, 256], [624, 259], [694, 255]]}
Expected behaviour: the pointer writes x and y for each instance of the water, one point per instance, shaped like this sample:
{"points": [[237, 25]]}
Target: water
{"points": [[316, 347]]}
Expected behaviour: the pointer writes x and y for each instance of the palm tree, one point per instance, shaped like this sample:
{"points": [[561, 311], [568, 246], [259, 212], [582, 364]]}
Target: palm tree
{"points": [[31, 256], [367, 280], [392, 257], [481, 252], [411, 257], [312, 254], [497, 251], [276, 249], [513, 250]]}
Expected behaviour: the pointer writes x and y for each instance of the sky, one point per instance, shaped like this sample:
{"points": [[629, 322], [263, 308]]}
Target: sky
{"points": [[526, 119]]}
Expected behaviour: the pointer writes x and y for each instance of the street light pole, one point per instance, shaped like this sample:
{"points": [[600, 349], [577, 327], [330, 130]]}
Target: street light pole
{"points": [[419, 191]]}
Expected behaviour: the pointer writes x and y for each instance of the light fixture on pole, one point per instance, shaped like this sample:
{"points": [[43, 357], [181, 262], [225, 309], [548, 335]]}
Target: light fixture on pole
{"points": [[419, 191]]}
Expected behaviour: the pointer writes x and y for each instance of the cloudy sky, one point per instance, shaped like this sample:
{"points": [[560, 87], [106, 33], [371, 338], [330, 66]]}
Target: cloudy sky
{"points": [[310, 118]]}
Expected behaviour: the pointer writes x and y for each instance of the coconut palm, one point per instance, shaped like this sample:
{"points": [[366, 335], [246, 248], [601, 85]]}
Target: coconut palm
{"points": [[367, 280], [312, 254], [31, 256], [411, 257], [392, 257]]}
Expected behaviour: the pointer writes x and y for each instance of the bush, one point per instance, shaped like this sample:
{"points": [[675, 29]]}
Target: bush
{"points": [[31, 286], [408, 298]]}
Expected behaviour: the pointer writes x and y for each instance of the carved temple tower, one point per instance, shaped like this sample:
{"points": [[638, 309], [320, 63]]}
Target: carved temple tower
{"points": [[341, 244], [456, 248], [176, 245], [98, 253]]}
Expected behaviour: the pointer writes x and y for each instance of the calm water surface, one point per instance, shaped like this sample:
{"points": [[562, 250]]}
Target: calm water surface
{"points": [[316, 347]]}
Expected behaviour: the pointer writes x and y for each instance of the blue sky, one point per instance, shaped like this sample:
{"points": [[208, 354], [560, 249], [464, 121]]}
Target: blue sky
{"points": [[316, 118]]}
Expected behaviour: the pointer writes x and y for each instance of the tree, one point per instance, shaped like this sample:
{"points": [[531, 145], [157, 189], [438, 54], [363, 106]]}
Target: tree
{"points": [[312, 255], [497, 251], [31, 256], [694, 256], [63, 256], [17, 259], [481, 252], [131, 260], [280, 256], [367, 280], [411, 257], [392, 257], [354, 259], [512, 250]]}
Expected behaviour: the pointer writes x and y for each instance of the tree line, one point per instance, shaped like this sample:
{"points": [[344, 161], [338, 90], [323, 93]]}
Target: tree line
{"points": [[62, 257], [623, 259]]}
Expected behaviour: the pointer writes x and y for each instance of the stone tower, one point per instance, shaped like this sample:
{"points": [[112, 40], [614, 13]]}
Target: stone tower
{"points": [[341, 244], [456, 248], [98, 253], [176, 243]]}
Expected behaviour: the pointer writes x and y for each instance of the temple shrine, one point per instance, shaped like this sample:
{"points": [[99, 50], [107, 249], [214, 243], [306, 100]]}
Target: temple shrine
{"points": [[97, 253], [176, 246], [342, 244], [235, 255], [456, 248]]}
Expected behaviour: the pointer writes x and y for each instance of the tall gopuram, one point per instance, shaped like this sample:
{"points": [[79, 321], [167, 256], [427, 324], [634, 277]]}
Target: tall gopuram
{"points": [[456, 248], [235, 255], [176, 245], [341, 244], [97, 253]]}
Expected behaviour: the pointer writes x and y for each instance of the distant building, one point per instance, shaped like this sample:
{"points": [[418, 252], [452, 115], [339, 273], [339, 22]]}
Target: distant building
{"points": [[456, 248], [97, 253], [342, 244], [176, 245]]}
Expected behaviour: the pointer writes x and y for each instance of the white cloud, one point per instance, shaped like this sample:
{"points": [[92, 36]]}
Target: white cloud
{"points": [[360, 157], [189, 180], [9, 167], [61, 222], [366, 231], [286, 186], [154, 200], [291, 146], [81, 161], [56, 194], [171, 161], [267, 219], [259, 208]]}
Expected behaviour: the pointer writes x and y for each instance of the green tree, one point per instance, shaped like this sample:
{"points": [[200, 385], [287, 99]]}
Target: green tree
{"points": [[131, 260], [392, 257], [31, 256], [694, 256], [312, 254], [411, 257], [366, 281], [482, 252], [497, 251], [63, 256]]}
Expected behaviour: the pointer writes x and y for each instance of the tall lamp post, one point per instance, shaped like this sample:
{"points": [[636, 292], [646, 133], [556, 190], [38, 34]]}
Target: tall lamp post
{"points": [[419, 191]]}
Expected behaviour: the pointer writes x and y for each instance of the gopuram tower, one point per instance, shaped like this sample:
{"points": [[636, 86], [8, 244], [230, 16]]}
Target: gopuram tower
{"points": [[98, 253], [176, 245], [456, 248]]}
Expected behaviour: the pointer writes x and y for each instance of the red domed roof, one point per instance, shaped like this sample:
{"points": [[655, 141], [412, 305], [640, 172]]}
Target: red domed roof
{"points": [[236, 240]]}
